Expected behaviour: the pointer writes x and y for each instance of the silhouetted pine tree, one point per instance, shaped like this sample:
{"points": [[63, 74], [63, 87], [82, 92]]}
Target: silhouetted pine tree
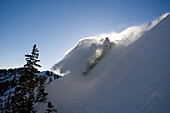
{"points": [[41, 95], [23, 99]]}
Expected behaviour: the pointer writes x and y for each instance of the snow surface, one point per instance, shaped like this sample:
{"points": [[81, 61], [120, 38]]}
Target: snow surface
{"points": [[133, 77]]}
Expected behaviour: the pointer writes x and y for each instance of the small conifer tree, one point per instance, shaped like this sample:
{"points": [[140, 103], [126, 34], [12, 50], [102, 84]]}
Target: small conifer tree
{"points": [[51, 109], [23, 98]]}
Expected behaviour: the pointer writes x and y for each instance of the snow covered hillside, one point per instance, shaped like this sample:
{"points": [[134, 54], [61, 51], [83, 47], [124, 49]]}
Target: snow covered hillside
{"points": [[133, 75], [9, 79]]}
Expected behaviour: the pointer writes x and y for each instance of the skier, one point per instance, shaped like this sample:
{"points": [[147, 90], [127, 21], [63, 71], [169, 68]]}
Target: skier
{"points": [[105, 47], [106, 44]]}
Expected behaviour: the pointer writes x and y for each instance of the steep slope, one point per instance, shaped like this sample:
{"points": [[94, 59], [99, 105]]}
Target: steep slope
{"points": [[129, 79], [138, 79]]}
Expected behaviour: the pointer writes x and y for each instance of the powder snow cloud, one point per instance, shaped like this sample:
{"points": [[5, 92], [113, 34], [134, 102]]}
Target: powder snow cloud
{"points": [[86, 48]]}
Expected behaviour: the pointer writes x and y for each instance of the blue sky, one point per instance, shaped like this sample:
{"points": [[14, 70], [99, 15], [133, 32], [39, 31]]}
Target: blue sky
{"points": [[56, 25]]}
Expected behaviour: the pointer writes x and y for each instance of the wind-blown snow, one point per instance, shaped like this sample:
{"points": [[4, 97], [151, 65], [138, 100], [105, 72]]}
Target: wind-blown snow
{"points": [[79, 55], [133, 77], [86, 50]]}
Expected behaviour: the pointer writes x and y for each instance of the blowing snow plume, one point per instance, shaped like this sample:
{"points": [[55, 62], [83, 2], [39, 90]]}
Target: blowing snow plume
{"points": [[82, 55], [87, 50]]}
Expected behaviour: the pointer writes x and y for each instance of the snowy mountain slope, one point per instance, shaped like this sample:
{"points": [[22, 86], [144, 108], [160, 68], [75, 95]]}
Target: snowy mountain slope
{"points": [[138, 81], [130, 79]]}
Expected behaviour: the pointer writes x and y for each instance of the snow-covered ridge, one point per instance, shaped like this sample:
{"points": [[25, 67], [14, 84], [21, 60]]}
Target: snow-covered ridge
{"points": [[132, 33], [90, 48]]}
